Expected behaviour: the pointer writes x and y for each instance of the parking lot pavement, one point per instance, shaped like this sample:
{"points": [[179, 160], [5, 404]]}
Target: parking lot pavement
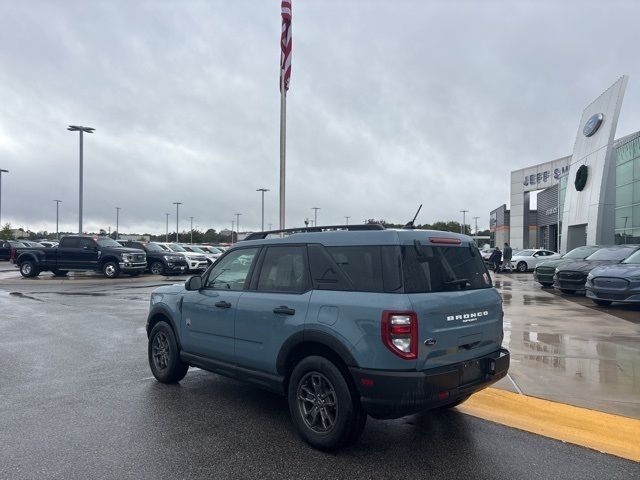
{"points": [[78, 401], [565, 351]]}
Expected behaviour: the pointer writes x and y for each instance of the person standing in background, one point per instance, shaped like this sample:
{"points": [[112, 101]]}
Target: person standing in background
{"points": [[506, 257]]}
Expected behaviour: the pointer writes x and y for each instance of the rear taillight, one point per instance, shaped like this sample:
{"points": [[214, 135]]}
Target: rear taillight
{"points": [[400, 333]]}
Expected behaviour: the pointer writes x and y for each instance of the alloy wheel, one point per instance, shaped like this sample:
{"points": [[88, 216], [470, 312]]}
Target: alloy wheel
{"points": [[317, 402], [160, 351]]}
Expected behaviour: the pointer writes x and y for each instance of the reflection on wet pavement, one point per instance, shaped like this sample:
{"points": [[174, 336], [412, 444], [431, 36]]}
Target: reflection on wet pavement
{"points": [[567, 352]]}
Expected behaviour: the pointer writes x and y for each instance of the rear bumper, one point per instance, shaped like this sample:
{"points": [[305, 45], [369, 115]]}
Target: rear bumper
{"points": [[394, 394]]}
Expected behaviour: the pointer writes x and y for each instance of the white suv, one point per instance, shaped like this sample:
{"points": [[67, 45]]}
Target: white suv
{"points": [[195, 261]]}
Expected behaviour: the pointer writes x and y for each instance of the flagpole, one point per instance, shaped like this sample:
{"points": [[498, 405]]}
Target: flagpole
{"points": [[283, 140]]}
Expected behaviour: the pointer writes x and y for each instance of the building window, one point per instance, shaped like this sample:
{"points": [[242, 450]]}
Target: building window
{"points": [[627, 221]]}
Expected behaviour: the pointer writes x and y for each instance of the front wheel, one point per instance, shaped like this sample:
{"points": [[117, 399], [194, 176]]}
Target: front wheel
{"points": [[522, 267], [29, 269], [157, 268], [110, 269], [164, 356], [326, 413], [602, 303]]}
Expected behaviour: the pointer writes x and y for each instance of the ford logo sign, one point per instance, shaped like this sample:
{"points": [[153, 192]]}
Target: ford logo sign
{"points": [[593, 124]]}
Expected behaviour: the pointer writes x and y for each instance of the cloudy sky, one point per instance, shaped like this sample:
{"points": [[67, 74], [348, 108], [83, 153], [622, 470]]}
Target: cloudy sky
{"points": [[392, 104]]}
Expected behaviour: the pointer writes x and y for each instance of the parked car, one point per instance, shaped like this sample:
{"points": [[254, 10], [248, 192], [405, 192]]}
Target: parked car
{"points": [[344, 323], [195, 249], [8, 248], [30, 243], [545, 271], [48, 244], [528, 259], [195, 261], [615, 283], [159, 261], [216, 252], [81, 252], [571, 277], [486, 254]]}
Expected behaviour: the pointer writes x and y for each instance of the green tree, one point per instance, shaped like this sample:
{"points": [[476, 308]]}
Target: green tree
{"points": [[6, 233]]}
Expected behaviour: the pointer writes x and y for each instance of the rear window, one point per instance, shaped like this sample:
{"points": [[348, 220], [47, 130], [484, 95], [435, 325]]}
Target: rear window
{"points": [[428, 268]]}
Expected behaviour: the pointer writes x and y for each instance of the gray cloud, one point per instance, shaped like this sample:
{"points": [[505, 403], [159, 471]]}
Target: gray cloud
{"points": [[392, 104]]}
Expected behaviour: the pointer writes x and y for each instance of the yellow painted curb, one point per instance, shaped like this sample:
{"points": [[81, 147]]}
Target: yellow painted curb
{"points": [[600, 431]]}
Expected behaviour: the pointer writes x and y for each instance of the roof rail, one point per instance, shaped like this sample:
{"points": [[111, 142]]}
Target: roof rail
{"points": [[289, 231]]}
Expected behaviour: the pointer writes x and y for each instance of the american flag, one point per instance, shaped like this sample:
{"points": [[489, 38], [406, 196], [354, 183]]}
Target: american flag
{"points": [[285, 45]]}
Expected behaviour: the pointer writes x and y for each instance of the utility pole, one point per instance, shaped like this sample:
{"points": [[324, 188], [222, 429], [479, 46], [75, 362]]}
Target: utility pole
{"points": [[191, 230], [476, 237], [166, 235], [177, 204], [315, 215], [117, 223], [233, 226], [347, 219], [463, 227], [57, 217], [262, 190]]}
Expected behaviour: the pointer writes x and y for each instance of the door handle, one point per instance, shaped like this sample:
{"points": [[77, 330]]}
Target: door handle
{"points": [[223, 304], [284, 310]]}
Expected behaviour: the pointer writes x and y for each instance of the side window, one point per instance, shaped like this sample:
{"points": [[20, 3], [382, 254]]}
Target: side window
{"points": [[231, 272], [86, 243], [284, 270], [70, 242]]}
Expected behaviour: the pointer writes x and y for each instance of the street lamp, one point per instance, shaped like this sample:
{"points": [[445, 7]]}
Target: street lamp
{"points": [[58, 202], [262, 190], [117, 223], [2, 170], [177, 204], [233, 226], [238, 225], [191, 230], [315, 215], [463, 227], [166, 235], [77, 128], [476, 237]]}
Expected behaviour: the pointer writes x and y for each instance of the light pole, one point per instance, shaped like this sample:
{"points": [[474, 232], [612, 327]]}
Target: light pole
{"points": [[262, 190], [238, 225], [177, 204], [315, 215], [270, 226], [77, 128], [233, 226], [347, 219], [476, 237], [58, 202], [166, 235], [191, 218], [463, 227], [117, 223], [2, 170]]}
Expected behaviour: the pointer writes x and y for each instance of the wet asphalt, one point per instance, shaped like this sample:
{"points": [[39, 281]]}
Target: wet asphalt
{"points": [[77, 400]]}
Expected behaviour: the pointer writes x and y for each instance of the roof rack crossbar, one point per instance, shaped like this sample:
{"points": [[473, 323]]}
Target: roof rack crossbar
{"points": [[322, 228]]}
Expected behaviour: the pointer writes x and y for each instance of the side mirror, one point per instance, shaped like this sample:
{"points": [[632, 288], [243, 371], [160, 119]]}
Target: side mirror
{"points": [[193, 283]]}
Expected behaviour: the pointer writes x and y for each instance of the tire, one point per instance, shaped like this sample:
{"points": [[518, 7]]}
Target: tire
{"points": [[157, 268], [455, 403], [602, 303], [59, 273], [29, 269], [316, 384], [568, 292], [522, 267], [164, 355], [110, 269]]}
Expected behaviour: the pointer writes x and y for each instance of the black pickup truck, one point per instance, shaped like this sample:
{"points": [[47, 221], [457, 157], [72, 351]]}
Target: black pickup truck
{"points": [[82, 252]]}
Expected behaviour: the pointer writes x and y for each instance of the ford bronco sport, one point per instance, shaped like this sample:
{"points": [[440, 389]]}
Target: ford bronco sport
{"points": [[345, 321]]}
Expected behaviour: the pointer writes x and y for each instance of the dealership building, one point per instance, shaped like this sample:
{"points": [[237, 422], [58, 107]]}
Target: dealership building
{"points": [[591, 197]]}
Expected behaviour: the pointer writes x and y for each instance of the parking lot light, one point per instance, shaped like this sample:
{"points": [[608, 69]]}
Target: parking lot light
{"points": [[191, 230], [238, 225], [315, 215], [117, 223], [81, 129], [2, 170], [177, 204], [166, 237], [262, 190], [58, 202]]}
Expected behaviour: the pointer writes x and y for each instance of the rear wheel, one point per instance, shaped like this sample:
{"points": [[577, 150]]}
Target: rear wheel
{"points": [[522, 266], [602, 303], [110, 269], [157, 268], [29, 269], [326, 413], [568, 292], [164, 355]]}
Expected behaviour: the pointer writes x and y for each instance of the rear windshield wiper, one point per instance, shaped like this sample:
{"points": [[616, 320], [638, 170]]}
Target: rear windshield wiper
{"points": [[458, 281]]}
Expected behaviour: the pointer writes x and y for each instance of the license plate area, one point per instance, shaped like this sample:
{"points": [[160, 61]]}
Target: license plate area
{"points": [[470, 372]]}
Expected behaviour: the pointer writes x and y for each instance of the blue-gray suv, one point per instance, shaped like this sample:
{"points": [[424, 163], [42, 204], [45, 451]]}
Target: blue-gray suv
{"points": [[347, 322]]}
